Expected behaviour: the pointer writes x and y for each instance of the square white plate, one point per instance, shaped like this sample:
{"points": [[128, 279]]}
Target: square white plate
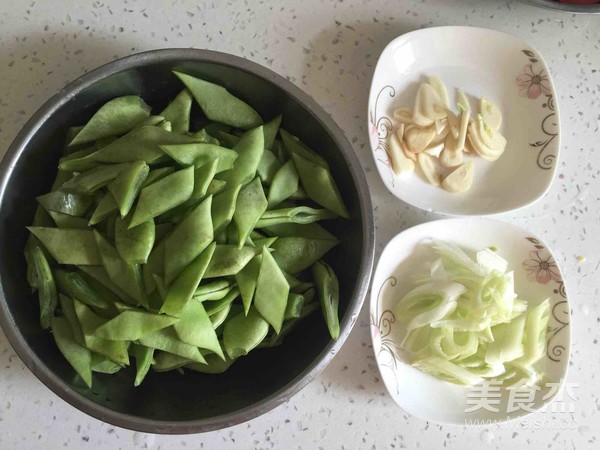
{"points": [[503, 68]]}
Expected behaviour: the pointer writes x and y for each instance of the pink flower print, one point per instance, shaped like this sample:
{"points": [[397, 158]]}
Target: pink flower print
{"points": [[541, 268], [532, 84]]}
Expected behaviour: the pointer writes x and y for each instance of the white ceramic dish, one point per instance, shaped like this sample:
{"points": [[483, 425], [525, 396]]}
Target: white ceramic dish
{"points": [[537, 277], [481, 62]]}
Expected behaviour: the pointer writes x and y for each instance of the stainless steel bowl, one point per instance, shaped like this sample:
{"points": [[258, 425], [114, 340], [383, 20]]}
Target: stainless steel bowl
{"points": [[567, 7], [169, 402]]}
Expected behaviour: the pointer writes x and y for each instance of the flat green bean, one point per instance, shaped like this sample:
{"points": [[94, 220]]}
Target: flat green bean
{"points": [[272, 289], [195, 328], [126, 187], [219, 105], [69, 246], [178, 112], [66, 203], [243, 333], [328, 291], [134, 244], [132, 324], [46, 287], [200, 154], [80, 358], [114, 118], [250, 206]]}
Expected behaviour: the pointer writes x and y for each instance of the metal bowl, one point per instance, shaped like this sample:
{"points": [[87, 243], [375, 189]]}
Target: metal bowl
{"points": [[567, 7], [170, 402]]}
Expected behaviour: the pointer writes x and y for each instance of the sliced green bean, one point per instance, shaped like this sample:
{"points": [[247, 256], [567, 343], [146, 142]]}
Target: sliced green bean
{"points": [[157, 174], [78, 357], [269, 166], [272, 289], [126, 276], [102, 364], [203, 136], [218, 318], [270, 130], [131, 325], [163, 195], [140, 144], [184, 286], [250, 207], [214, 290], [99, 280], [309, 231], [114, 118], [200, 154], [328, 290], [189, 238], [114, 350], [167, 361], [46, 287], [69, 246], [143, 360], [213, 308], [250, 150], [293, 145], [229, 260], [126, 187], [195, 328], [319, 185], [223, 207], [294, 254], [155, 265], [166, 340], [91, 180], [134, 244], [293, 309], [299, 214], [214, 365], [73, 285], [284, 184], [178, 112], [106, 206], [243, 333], [68, 310], [66, 221], [66, 203], [219, 105], [246, 280]]}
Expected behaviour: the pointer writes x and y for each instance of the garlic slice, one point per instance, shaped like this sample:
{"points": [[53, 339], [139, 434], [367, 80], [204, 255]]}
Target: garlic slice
{"points": [[400, 163], [487, 143], [440, 88], [418, 139], [451, 158], [491, 113], [461, 179], [403, 115], [434, 150], [428, 106], [453, 124], [462, 101], [427, 166]]}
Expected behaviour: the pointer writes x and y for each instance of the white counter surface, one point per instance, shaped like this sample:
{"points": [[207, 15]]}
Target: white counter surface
{"points": [[329, 49]]}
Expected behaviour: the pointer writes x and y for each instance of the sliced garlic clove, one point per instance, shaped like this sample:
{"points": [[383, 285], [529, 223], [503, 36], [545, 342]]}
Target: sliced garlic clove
{"points": [[451, 158], [463, 102], [400, 163], [418, 139], [440, 88], [453, 124], [428, 106], [489, 136], [491, 113], [427, 166], [482, 149], [461, 179], [434, 150], [403, 115], [400, 132], [441, 126], [410, 155]]}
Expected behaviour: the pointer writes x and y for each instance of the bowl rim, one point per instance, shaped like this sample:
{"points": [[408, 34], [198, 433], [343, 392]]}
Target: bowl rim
{"points": [[566, 7], [53, 382], [414, 34]]}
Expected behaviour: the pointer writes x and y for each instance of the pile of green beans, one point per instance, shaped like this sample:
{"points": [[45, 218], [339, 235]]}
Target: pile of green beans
{"points": [[182, 249]]}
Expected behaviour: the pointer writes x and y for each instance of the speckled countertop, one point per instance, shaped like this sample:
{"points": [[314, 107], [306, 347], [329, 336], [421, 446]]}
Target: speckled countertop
{"points": [[329, 49]]}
